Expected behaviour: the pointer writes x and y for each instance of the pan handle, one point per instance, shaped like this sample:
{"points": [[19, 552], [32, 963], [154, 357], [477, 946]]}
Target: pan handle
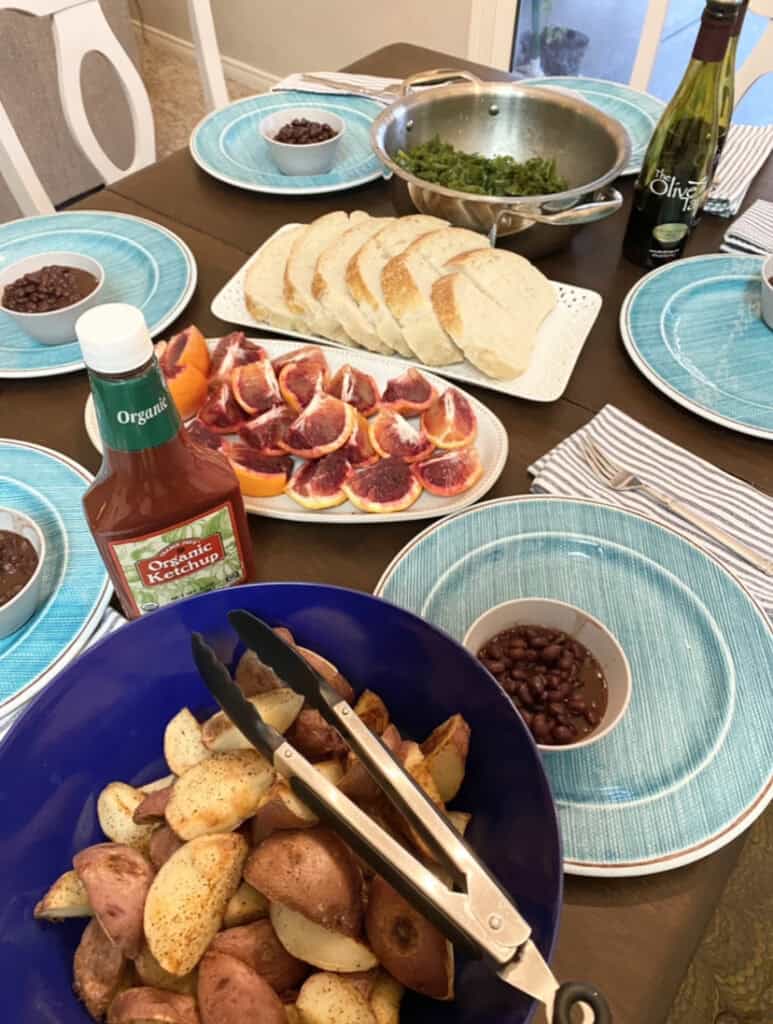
{"points": [[573, 992], [604, 202], [434, 77]]}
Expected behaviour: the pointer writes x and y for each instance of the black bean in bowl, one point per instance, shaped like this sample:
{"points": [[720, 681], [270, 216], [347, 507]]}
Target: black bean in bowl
{"points": [[300, 132], [553, 680], [49, 288]]}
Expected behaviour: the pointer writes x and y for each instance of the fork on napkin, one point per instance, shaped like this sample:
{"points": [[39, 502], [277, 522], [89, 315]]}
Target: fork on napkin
{"points": [[726, 501], [338, 83]]}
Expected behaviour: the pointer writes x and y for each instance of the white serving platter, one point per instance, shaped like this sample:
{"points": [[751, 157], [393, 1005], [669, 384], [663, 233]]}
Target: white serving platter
{"points": [[559, 341], [492, 444]]}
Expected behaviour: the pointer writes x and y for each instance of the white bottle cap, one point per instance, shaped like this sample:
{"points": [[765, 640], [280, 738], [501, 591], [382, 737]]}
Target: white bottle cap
{"points": [[114, 338]]}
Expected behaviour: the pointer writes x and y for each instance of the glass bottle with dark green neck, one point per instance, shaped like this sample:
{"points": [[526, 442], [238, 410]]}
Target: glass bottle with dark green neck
{"points": [[727, 80], [674, 178]]}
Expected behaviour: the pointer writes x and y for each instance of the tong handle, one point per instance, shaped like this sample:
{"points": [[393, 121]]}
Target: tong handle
{"points": [[573, 992]]}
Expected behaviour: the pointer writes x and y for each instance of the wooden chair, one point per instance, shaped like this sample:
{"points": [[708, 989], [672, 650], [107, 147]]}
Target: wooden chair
{"points": [[758, 63], [79, 28]]}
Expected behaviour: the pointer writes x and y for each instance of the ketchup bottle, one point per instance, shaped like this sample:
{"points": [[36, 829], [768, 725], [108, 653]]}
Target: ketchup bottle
{"points": [[167, 514]]}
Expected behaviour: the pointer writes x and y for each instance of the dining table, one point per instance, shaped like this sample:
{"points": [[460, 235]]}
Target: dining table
{"points": [[632, 937]]}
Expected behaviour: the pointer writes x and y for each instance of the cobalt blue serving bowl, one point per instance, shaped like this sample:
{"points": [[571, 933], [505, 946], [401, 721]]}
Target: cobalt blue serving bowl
{"points": [[103, 719]]}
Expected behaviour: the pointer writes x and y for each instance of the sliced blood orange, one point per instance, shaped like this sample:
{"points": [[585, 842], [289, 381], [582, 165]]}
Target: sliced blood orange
{"points": [[450, 421], [201, 434], [188, 348], [184, 360], [392, 435], [389, 486], [234, 350], [410, 393], [220, 411], [324, 426], [319, 484], [450, 472], [299, 382], [358, 449], [355, 387], [255, 387], [266, 431], [259, 476], [302, 354]]}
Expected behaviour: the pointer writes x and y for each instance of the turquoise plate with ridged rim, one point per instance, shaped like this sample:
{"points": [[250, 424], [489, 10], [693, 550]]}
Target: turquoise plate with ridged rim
{"points": [[49, 488], [144, 265], [228, 145], [690, 766], [638, 112], [695, 330]]}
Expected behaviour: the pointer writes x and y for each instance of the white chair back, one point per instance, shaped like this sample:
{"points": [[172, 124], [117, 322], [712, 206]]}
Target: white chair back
{"points": [[760, 60], [79, 28]]}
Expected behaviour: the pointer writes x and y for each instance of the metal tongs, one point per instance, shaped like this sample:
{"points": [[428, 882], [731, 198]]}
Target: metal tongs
{"points": [[479, 915]]}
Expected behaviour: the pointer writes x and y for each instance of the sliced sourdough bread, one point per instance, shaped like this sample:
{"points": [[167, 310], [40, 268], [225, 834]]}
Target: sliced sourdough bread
{"points": [[329, 283], [300, 268], [264, 283], [363, 274], [492, 304], [407, 281]]}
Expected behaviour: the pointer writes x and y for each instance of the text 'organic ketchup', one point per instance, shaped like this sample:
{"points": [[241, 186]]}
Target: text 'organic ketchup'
{"points": [[167, 515]]}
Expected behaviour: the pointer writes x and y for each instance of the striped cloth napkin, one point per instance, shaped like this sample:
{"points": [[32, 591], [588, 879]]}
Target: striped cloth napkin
{"points": [[746, 150], [111, 621], [733, 505], [752, 232], [339, 83]]}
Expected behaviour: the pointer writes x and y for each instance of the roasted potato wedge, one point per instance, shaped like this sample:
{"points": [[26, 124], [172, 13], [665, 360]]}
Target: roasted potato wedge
{"points": [[218, 794], [357, 782], [407, 945], [151, 973], [373, 711], [183, 746], [152, 806], [100, 970], [230, 992], [291, 1013], [277, 708], [330, 999], [254, 676], [311, 735], [306, 940], [385, 999], [328, 671], [245, 906], [116, 806], [257, 946], [117, 879], [163, 843], [151, 787], [152, 1006], [67, 897], [186, 902], [445, 750], [281, 809], [313, 871]]}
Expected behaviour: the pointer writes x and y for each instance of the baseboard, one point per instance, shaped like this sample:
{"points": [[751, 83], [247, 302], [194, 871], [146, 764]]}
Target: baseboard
{"points": [[236, 70]]}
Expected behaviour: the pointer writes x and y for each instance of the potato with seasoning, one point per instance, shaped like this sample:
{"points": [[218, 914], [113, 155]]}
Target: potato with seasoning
{"points": [[152, 974], [163, 843], [116, 807], [230, 992], [331, 999], [311, 736], [152, 1006], [277, 708], [245, 906], [319, 946], [257, 946], [183, 746], [67, 897], [117, 879], [100, 970]]}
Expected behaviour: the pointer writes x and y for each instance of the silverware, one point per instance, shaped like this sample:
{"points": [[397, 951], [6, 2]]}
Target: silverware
{"points": [[475, 911], [620, 479], [389, 94]]}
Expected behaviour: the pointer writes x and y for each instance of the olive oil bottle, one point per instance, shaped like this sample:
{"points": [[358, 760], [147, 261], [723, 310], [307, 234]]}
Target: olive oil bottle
{"points": [[679, 161], [727, 80]]}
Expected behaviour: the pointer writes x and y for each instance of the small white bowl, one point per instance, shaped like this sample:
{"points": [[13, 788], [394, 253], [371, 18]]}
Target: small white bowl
{"points": [[57, 326], [311, 158], [19, 609], [766, 302], [539, 611]]}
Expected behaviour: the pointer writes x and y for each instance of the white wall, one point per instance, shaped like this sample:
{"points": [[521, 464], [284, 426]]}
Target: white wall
{"points": [[280, 36]]}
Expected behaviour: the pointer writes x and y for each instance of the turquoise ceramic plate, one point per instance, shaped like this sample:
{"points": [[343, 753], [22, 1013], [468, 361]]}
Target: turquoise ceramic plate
{"points": [[638, 112], [228, 145], [49, 487], [695, 330], [144, 264], [690, 766]]}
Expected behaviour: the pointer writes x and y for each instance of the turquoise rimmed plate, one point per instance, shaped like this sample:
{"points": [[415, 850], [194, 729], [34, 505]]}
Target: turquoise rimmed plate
{"points": [[695, 330], [228, 145], [691, 764], [144, 264], [49, 487], [638, 112]]}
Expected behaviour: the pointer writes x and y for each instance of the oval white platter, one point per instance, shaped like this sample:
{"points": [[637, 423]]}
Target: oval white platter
{"points": [[491, 442]]}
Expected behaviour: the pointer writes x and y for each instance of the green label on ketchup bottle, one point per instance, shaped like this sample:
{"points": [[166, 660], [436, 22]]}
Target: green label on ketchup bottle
{"points": [[134, 413]]}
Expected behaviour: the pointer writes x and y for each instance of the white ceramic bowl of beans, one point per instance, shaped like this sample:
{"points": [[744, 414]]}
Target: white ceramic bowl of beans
{"points": [[21, 607], [580, 626], [302, 158]]}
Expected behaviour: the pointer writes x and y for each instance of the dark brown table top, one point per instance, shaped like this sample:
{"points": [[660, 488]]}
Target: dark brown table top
{"points": [[633, 938]]}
